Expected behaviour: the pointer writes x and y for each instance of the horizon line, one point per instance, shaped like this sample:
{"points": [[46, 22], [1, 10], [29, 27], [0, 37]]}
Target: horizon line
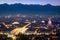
{"points": [[30, 4]]}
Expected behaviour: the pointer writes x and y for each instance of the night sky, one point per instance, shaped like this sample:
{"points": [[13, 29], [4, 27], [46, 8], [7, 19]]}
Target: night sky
{"points": [[42, 2]]}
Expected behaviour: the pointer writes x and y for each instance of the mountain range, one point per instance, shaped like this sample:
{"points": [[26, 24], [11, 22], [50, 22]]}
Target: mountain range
{"points": [[32, 9]]}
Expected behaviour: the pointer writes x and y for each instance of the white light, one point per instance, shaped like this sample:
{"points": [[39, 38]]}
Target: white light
{"points": [[43, 21]]}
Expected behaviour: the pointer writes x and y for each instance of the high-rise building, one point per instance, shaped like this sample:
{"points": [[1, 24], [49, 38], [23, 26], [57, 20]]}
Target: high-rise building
{"points": [[49, 22]]}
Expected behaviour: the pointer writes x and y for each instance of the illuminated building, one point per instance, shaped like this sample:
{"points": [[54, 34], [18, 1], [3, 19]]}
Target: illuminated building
{"points": [[49, 22], [15, 23]]}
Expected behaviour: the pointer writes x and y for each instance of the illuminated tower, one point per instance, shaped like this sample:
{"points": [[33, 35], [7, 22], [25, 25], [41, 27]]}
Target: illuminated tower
{"points": [[49, 22]]}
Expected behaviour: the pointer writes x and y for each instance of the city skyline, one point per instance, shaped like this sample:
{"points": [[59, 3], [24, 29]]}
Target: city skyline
{"points": [[41, 2]]}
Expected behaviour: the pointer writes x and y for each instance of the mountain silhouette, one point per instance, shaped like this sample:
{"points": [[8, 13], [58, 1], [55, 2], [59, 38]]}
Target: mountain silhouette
{"points": [[33, 9]]}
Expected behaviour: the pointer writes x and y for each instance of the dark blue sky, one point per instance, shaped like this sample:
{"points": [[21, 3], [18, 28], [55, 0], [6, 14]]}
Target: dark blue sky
{"points": [[42, 2]]}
